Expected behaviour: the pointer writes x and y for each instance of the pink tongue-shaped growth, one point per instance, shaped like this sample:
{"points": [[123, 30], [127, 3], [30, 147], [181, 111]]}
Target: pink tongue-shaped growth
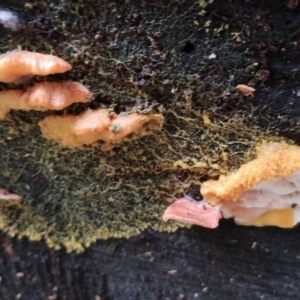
{"points": [[192, 212]]}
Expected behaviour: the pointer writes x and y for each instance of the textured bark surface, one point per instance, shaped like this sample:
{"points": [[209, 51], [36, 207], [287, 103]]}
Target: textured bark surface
{"points": [[227, 263], [260, 46]]}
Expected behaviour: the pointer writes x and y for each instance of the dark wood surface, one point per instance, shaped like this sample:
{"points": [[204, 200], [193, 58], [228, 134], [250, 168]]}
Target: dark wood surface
{"points": [[230, 262]]}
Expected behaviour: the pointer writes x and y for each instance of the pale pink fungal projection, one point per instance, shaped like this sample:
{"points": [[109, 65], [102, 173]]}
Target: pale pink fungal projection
{"points": [[10, 99], [245, 89], [7, 196], [43, 96], [55, 95], [16, 65], [193, 212]]}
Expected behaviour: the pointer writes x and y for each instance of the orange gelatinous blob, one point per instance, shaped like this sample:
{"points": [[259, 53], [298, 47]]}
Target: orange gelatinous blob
{"points": [[91, 122], [274, 161], [94, 125], [263, 192], [283, 218], [192, 212], [123, 125], [17, 64], [75, 131]]}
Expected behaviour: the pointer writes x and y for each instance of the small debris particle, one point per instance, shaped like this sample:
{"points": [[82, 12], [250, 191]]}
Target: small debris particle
{"points": [[18, 296], [172, 272], [151, 260], [206, 119], [111, 249], [212, 56], [52, 297], [28, 5], [205, 289], [207, 23], [291, 3], [238, 39], [180, 297], [19, 274], [97, 297], [10, 20], [7, 247], [254, 245], [263, 75]]}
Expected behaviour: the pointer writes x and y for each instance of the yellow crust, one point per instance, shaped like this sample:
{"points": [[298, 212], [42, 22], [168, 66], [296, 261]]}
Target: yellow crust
{"points": [[274, 160], [283, 218]]}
